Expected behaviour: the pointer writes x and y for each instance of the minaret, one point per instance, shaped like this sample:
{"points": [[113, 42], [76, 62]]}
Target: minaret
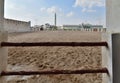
{"points": [[55, 19]]}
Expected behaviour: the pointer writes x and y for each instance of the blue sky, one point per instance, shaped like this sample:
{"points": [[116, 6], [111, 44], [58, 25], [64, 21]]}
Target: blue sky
{"points": [[68, 11]]}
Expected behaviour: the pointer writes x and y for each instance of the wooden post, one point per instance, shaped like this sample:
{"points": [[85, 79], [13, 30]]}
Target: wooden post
{"points": [[107, 58], [3, 37]]}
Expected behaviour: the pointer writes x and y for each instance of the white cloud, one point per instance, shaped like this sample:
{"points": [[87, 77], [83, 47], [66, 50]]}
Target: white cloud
{"points": [[87, 5], [52, 9], [70, 14], [43, 9], [18, 12], [88, 10]]}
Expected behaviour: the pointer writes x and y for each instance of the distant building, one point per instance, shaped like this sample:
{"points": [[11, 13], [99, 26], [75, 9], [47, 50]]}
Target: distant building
{"points": [[72, 26], [80, 26], [92, 26], [47, 26], [97, 26], [11, 25]]}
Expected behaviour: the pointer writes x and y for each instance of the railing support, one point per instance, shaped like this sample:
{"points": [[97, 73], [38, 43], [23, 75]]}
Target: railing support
{"points": [[3, 56], [107, 58], [3, 38]]}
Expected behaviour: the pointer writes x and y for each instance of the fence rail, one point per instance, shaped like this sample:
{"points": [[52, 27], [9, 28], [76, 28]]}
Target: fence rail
{"points": [[26, 44], [55, 72]]}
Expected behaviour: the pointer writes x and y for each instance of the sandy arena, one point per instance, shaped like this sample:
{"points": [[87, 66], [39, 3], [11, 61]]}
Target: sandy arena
{"points": [[47, 58]]}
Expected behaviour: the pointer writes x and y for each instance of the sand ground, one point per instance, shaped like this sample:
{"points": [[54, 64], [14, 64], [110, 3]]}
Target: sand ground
{"points": [[47, 58]]}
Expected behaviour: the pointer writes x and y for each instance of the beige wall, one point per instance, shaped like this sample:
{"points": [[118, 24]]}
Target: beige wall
{"points": [[16, 26], [113, 15]]}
